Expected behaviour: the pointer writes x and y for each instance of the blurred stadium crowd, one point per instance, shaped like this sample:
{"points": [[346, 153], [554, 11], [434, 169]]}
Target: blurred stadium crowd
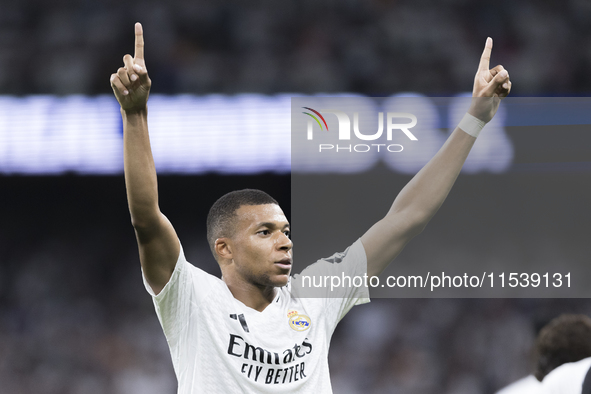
{"points": [[373, 47], [74, 317]]}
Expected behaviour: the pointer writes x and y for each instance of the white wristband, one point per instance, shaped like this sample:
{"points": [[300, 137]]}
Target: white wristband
{"points": [[471, 125]]}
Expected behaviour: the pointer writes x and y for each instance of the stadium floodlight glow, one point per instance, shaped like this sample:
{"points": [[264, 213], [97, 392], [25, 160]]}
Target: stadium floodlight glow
{"points": [[240, 134]]}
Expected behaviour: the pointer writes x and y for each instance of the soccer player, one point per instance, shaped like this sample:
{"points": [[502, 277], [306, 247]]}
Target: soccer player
{"points": [[563, 359], [246, 332]]}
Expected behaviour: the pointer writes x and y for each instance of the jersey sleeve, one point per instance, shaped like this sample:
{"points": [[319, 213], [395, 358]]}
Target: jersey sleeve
{"points": [[340, 280], [187, 288]]}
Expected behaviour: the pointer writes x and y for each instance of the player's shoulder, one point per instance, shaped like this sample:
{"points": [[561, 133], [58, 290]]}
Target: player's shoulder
{"points": [[290, 299], [567, 378], [202, 276], [199, 278], [333, 277], [354, 253]]}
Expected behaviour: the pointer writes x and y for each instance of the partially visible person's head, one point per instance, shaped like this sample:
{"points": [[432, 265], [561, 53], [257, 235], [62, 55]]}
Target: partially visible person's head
{"points": [[565, 339], [222, 217]]}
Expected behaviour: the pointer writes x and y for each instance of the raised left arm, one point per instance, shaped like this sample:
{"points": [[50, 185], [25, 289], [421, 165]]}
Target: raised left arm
{"points": [[420, 199]]}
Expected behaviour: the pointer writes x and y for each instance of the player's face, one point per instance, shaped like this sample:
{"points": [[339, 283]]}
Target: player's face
{"points": [[262, 249]]}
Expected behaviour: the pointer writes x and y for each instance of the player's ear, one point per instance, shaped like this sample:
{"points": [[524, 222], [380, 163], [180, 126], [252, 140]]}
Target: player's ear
{"points": [[223, 248]]}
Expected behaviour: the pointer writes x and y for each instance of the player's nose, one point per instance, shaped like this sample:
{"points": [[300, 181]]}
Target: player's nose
{"points": [[284, 242]]}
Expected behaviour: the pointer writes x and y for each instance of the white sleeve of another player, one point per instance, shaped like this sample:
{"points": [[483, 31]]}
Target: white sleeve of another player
{"points": [[185, 290], [527, 385], [567, 379]]}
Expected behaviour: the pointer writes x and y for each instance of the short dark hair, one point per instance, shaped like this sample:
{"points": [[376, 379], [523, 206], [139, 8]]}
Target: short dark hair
{"points": [[565, 339], [220, 220]]}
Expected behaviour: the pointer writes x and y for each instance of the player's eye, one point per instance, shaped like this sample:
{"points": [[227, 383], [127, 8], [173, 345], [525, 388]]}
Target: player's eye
{"points": [[287, 233], [264, 232]]}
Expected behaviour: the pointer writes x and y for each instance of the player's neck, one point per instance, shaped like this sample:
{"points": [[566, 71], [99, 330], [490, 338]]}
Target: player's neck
{"points": [[251, 295]]}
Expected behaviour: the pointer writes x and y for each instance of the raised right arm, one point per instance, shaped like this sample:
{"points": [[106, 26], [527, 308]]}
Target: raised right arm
{"points": [[157, 241]]}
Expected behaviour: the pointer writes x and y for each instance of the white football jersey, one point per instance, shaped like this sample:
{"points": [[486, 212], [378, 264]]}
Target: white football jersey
{"points": [[526, 385], [219, 345], [567, 379]]}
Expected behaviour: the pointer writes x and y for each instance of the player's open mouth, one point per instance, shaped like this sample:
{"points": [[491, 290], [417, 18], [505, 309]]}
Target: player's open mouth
{"points": [[285, 263]]}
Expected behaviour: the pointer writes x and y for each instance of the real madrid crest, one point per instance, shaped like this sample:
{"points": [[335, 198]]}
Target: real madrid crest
{"points": [[298, 321]]}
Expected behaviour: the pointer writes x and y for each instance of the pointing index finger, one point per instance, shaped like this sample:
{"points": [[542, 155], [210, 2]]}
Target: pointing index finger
{"points": [[485, 58], [139, 42]]}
